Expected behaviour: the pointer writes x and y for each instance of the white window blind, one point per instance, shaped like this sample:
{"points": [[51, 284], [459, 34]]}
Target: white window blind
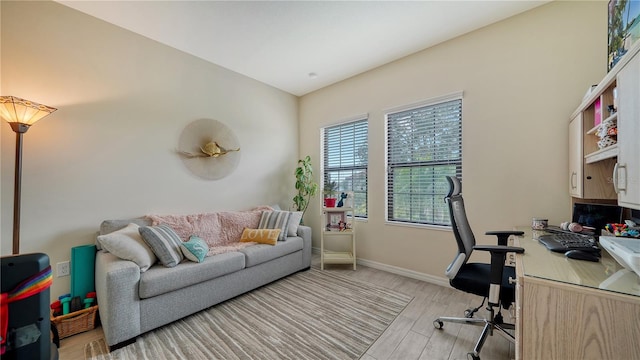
{"points": [[346, 156], [424, 145]]}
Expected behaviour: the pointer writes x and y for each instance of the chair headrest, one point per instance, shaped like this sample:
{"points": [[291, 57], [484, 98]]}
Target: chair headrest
{"points": [[455, 187]]}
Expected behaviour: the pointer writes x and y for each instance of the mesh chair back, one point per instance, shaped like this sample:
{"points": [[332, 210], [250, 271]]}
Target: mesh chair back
{"points": [[461, 228]]}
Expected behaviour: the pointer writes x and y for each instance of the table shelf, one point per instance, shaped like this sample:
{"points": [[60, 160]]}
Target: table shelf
{"points": [[338, 230]]}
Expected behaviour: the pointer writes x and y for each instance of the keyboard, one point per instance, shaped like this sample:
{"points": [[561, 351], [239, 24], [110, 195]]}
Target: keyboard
{"points": [[563, 242]]}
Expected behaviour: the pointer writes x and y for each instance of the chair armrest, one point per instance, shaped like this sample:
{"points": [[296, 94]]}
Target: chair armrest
{"points": [[499, 249], [456, 264], [503, 236], [498, 256]]}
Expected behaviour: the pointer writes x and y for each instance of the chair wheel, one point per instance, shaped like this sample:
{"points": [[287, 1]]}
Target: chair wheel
{"points": [[438, 324], [472, 356], [498, 319]]}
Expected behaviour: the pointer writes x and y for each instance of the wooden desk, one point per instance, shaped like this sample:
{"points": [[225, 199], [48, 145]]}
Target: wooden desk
{"points": [[572, 309]]}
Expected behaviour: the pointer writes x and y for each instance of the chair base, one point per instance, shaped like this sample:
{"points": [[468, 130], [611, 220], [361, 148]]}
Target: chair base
{"points": [[489, 327]]}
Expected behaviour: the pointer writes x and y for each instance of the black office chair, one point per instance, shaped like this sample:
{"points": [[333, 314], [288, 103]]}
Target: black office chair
{"points": [[486, 280]]}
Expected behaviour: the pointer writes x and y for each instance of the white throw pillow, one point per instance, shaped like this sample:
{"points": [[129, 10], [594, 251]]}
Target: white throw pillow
{"points": [[127, 244], [294, 221]]}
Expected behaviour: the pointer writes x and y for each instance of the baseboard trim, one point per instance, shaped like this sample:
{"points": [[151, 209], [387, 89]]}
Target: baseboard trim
{"points": [[442, 281]]}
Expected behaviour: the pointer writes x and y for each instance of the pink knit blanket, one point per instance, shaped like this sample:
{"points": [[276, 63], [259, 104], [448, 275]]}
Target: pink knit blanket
{"points": [[220, 230]]}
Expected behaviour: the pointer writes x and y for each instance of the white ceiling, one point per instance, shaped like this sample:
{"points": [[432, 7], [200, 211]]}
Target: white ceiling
{"points": [[283, 43]]}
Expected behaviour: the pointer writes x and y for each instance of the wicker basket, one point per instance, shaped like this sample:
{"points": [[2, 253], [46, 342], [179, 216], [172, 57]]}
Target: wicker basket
{"points": [[75, 322]]}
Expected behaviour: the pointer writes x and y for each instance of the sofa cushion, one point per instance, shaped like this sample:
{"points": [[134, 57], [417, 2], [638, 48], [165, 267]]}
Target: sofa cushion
{"points": [[261, 253], [160, 280], [109, 226], [275, 220]]}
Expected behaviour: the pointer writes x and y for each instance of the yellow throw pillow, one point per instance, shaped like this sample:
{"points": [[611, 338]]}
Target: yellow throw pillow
{"points": [[262, 236]]}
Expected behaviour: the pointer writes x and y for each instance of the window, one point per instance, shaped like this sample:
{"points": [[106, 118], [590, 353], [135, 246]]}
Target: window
{"points": [[424, 144], [346, 156]]}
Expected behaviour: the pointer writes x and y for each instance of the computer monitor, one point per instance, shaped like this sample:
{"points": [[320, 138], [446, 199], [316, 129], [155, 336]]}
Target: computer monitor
{"points": [[635, 216], [596, 215]]}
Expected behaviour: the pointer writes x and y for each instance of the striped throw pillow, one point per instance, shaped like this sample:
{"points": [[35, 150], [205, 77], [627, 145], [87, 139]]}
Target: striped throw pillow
{"points": [[275, 220], [164, 242]]}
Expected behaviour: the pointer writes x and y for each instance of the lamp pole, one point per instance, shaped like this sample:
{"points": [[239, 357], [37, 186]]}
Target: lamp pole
{"points": [[17, 184], [20, 114]]}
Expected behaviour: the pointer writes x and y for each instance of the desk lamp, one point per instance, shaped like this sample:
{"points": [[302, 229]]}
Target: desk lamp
{"points": [[20, 114]]}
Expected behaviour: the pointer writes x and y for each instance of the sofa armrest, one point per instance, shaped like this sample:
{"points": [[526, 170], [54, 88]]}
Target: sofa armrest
{"points": [[305, 233], [117, 283]]}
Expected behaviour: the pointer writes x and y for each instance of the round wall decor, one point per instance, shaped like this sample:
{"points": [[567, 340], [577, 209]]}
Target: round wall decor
{"points": [[209, 149]]}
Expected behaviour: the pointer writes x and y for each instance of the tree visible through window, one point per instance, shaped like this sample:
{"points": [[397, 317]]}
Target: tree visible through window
{"points": [[424, 145], [346, 156]]}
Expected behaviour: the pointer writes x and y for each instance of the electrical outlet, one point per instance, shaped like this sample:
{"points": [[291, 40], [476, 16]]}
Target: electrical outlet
{"points": [[64, 268]]}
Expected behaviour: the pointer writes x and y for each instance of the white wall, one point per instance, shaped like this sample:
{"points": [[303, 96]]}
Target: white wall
{"points": [[123, 101], [108, 152], [521, 79]]}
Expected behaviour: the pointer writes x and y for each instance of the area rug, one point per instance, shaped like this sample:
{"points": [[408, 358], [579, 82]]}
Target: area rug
{"points": [[309, 315]]}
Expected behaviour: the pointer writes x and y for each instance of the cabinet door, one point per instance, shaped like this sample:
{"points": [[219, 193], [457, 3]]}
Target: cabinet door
{"points": [[627, 172], [575, 156]]}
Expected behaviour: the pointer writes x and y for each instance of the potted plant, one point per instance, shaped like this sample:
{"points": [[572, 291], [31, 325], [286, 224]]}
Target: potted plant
{"points": [[305, 185], [330, 193]]}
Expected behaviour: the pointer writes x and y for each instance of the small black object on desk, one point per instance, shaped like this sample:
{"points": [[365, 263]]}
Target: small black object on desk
{"points": [[582, 255]]}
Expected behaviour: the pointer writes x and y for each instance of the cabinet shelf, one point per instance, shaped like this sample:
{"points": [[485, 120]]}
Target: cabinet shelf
{"points": [[336, 209], [338, 257], [606, 153], [594, 129], [337, 232]]}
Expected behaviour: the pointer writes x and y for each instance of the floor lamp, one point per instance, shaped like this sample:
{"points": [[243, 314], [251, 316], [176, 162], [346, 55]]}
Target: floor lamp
{"points": [[20, 114]]}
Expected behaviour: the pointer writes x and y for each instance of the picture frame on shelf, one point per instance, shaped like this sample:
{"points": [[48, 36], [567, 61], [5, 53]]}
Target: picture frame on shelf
{"points": [[623, 28], [334, 219]]}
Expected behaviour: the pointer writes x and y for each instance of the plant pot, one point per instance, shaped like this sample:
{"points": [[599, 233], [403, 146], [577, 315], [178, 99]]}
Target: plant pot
{"points": [[329, 202]]}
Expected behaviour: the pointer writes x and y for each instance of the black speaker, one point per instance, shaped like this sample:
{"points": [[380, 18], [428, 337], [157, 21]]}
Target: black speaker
{"points": [[28, 333]]}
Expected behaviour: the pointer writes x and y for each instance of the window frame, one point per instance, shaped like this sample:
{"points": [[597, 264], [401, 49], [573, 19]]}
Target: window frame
{"points": [[325, 169], [390, 167]]}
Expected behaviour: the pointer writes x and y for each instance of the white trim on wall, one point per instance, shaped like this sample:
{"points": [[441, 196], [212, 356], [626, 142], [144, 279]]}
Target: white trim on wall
{"points": [[431, 101], [436, 280]]}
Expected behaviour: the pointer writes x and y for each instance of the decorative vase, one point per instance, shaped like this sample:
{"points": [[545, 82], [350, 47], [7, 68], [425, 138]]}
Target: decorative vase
{"points": [[348, 202], [329, 202]]}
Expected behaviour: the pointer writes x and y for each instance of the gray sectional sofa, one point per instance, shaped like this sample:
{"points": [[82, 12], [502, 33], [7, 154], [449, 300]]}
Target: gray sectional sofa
{"points": [[134, 302]]}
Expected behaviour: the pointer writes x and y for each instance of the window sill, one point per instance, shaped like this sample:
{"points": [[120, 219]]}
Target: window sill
{"points": [[419, 226]]}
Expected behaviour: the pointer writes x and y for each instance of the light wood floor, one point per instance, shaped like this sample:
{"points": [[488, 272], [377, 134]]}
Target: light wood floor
{"points": [[411, 336]]}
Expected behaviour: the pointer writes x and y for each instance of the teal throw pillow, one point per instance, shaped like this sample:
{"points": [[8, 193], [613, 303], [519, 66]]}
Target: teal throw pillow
{"points": [[195, 249]]}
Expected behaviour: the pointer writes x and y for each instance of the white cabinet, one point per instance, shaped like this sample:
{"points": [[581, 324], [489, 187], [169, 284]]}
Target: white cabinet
{"points": [[575, 156], [600, 168], [626, 175], [338, 237]]}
